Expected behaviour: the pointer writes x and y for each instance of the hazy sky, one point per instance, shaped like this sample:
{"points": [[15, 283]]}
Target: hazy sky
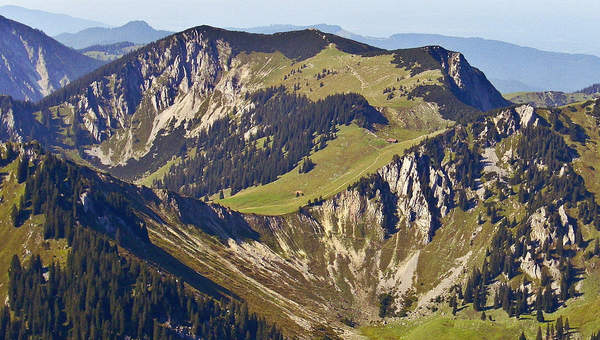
{"points": [[560, 25]]}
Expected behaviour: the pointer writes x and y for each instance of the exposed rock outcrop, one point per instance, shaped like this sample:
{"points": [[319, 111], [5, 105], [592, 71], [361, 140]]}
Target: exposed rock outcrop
{"points": [[406, 179], [33, 65], [15, 122], [469, 84]]}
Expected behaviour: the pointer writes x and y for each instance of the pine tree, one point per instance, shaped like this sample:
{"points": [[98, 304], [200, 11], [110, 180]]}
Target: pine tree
{"points": [[14, 216], [539, 315], [522, 337], [22, 169], [559, 328]]}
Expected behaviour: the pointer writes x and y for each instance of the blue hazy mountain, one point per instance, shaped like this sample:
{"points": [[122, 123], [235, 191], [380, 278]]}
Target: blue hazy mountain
{"points": [[137, 32], [47, 21]]}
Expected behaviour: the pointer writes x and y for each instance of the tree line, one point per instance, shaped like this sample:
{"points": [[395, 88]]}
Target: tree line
{"points": [[290, 127]]}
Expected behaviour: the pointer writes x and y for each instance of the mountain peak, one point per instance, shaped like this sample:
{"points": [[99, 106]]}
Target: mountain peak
{"points": [[34, 64], [137, 32], [137, 24]]}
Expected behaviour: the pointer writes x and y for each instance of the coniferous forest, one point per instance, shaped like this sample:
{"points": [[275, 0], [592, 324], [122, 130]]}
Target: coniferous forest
{"points": [[290, 127], [102, 292], [222, 184], [110, 296]]}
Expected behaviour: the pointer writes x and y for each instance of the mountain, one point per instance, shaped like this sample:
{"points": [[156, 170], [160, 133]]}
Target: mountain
{"points": [[550, 98], [212, 92], [58, 246], [33, 64], [495, 217], [46, 21], [137, 32], [223, 185], [109, 52], [510, 67], [554, 98], [593, 89]]}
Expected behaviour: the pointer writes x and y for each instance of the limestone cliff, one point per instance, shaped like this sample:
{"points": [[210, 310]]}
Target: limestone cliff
{"points": [[33, 65]]}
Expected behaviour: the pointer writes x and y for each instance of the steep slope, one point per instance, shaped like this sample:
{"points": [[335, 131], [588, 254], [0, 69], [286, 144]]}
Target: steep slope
{"points": [[46, 21], [63, 244], [33, 64], [420, 225], [174, 99], [138, 32], [511, 68], [512, 193]]}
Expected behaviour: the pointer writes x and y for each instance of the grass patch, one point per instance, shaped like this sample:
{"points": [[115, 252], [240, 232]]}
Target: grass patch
{"points": [[356, 152], [25, 240]]}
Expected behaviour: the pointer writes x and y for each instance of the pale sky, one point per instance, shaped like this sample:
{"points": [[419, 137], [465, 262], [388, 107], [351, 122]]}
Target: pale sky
{"points": [[558, 25]]}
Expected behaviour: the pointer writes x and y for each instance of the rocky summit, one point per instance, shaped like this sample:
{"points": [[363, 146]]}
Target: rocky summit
{"points": [[217, 184]]}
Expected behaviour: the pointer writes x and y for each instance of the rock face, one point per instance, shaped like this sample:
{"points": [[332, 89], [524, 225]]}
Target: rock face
{"points": [[542, 228], [180, 85], [14, 124], [468, 83], [420, 208], [33, 65]]}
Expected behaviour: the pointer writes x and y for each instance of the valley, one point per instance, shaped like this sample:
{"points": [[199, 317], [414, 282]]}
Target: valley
{"points": [[216, 184]]}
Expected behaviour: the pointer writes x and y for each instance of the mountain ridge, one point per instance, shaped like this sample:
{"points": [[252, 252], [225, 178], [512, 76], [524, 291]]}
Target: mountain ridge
{"points": [[416, 232], [218, 48], [46, 21], [34, 65], [138, 32], [516, 69]]}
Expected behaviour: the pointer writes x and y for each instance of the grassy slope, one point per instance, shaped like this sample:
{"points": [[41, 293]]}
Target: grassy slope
{"points": [[355, 153], [26, 239], [467, 324], [368, 76]]}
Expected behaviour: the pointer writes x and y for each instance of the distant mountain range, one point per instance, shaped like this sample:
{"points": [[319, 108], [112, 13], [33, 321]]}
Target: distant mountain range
{"points": [[81, 33], [50, 23], [137, 32], [356, 187], [510, 67], [33, 65]]}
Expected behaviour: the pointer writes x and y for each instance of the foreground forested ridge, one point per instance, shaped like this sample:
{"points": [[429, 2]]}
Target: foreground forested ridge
{"points": [[102, 291], [517, 233], [101, 294]]}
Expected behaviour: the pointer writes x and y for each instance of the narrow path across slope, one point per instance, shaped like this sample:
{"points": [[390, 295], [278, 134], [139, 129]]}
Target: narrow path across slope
{"points": [[363, 83]]}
